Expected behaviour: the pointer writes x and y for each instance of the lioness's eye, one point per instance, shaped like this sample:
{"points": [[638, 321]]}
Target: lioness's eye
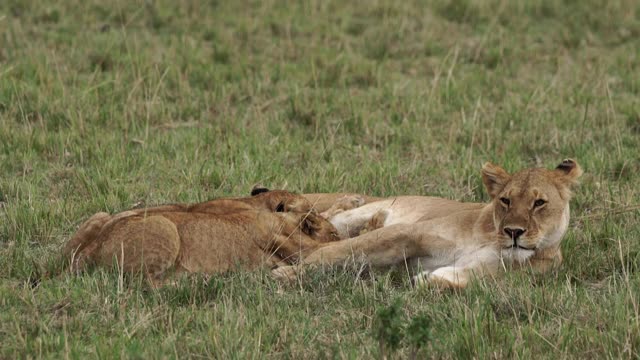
{"points": [[505, 201], [539, 203]]}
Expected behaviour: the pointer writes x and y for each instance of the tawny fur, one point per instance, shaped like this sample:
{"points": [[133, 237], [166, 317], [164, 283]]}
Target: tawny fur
{"points": [[334, 203], [449, 242], [209, 237]]}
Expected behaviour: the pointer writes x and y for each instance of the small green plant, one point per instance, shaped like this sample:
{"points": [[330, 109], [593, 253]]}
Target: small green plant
{"points": [[418, 333], [389, 328]]}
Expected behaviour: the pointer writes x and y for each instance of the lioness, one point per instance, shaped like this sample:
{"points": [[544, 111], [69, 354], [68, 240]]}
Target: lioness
{"points": [[268, 228], [451, 242]]}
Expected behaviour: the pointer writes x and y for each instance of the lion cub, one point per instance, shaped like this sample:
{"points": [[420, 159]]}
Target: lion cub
{"points": [[268, 228]]}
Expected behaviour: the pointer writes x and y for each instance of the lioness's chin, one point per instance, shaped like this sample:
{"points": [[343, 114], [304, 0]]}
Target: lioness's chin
{"points": [[518, 255]]}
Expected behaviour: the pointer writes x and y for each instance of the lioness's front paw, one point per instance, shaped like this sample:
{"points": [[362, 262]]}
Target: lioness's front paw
{"points": [[444, 278], [421, 280], [285, 273]]}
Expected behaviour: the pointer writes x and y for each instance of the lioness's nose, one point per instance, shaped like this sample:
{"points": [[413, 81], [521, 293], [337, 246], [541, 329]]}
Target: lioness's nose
{"points": [[514, 233]]}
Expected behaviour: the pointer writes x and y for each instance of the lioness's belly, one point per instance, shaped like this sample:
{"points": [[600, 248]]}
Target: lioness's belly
{"points": [[412, 209]]}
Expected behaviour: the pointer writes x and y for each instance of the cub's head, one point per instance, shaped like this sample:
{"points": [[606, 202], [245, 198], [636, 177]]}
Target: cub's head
{"points": [[280, 200], [318, 227], [298, 213], [308, 223], [531, 206]]}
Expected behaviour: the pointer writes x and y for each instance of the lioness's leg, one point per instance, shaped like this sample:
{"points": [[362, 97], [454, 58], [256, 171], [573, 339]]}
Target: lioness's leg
{"points": [[545, 260], [387, 246], [467, 265], [137, 243]]}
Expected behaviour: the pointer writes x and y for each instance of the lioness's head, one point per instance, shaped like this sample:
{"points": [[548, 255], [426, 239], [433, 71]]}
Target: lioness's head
{"points": [[531, 206]]}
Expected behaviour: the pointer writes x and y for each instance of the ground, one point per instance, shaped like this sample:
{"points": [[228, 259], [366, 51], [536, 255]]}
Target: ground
{"points": [[108, 105]]}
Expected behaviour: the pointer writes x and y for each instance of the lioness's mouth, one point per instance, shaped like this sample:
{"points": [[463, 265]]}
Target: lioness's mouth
{"points": [[519, 247]]}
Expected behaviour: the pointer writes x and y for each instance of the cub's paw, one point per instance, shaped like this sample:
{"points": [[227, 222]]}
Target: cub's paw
{"points": [[377, 221], [286, 273], [349, 202], [345, 203]]}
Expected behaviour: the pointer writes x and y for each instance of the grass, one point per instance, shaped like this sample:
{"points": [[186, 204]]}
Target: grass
{"points": [[105, 105]]}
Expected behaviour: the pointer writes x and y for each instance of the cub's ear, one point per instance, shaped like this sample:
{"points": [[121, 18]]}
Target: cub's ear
{"points": [[310, 224], [494, 178], [258, 190], [569, 171]]}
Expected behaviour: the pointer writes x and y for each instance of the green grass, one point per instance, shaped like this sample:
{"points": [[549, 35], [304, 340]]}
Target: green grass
{"points": [[107, 104]]}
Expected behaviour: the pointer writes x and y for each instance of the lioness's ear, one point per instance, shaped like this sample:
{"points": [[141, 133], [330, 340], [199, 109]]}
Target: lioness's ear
{"points": [[494, 178], [569, 171], [258, 190]]}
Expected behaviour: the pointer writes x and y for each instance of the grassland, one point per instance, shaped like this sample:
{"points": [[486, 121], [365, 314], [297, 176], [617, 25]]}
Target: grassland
{"points": [[104, 105]]}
